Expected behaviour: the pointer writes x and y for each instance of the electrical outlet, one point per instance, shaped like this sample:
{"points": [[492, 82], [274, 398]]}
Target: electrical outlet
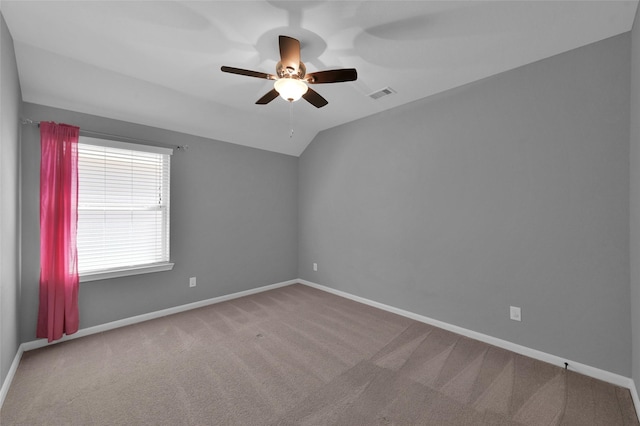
{"points": [[515, 314], [315, 267], [192, 282]]}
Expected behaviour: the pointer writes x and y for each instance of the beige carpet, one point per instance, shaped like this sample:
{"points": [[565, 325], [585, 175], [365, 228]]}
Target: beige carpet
{"points": [[298, 356]]}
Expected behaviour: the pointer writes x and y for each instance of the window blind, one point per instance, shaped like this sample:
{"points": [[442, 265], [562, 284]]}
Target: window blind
{"points": [[123, 205]]}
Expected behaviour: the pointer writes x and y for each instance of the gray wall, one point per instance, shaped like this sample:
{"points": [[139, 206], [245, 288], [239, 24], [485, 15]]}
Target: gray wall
{"points": [[233, 224], [635, 198], [10, 102], [510, 191]]}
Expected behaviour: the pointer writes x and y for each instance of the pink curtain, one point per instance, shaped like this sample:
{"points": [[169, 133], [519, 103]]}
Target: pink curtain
{"points": [[58, 311]]}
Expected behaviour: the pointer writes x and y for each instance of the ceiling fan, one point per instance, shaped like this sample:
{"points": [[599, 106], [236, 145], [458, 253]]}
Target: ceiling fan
{"points": [[291, 76]]}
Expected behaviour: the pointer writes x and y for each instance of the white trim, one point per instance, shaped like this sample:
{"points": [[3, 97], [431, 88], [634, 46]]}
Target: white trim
{"points": [[596, 373], [634, 396], [124, 272], [4, 390], [40, 343], [587, 370]]}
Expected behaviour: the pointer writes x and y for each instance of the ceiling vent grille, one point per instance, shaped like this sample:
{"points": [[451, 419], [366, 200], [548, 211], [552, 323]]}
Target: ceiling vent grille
{"points": [[382, 92]]}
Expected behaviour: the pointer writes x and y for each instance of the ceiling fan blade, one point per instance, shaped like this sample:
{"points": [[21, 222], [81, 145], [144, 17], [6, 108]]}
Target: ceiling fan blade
{"points": [[289, 53], [314, 98], [268, 97], [249, 73], [332, 76]]}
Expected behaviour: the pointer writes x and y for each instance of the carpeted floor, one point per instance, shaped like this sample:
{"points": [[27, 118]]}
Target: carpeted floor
{"points": [[298, 356]]}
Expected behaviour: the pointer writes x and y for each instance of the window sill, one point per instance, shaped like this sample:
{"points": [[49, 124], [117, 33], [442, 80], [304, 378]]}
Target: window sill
{"points": [[124, 272]]}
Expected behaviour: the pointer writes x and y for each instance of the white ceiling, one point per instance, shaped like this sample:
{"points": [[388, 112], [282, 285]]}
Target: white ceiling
{"points": [[158, 63]]}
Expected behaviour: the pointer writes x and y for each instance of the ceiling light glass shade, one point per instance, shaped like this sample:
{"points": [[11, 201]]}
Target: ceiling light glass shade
{"points": [[290, 89]]}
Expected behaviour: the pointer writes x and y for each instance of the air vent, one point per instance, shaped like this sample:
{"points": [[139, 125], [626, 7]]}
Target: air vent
{"points": [[382, 92]]}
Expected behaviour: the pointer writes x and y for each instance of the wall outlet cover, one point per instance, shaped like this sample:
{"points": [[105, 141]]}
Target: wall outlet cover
{"points": [[515, 313]]}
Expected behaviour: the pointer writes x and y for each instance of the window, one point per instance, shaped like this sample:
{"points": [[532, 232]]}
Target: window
{"points": [[123, 209]]}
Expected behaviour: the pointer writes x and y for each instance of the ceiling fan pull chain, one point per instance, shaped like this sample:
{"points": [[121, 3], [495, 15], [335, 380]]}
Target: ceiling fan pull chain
{"points": [[291, 119]]}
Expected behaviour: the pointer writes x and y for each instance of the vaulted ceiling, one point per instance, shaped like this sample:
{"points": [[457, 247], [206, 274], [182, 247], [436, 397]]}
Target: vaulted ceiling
{"points": [[158, 62]]}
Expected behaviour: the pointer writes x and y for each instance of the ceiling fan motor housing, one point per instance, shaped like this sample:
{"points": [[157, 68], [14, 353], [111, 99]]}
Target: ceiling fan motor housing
{"points": [[289, 72]]}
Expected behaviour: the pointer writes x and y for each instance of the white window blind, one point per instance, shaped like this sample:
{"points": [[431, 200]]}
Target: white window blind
{"points": [[123, 205]]}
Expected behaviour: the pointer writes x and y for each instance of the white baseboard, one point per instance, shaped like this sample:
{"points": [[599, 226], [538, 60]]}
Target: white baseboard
{"points": [[35, 344], [587, 370], [40, 343], [12, 372], [634, 395]]}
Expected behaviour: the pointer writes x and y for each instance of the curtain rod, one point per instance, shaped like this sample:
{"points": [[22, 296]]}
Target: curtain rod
{"points": [[90, 133]]}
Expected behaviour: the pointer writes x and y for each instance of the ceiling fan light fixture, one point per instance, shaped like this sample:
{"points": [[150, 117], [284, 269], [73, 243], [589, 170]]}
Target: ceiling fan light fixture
{"points": [[292, 78], [290, 89]]}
